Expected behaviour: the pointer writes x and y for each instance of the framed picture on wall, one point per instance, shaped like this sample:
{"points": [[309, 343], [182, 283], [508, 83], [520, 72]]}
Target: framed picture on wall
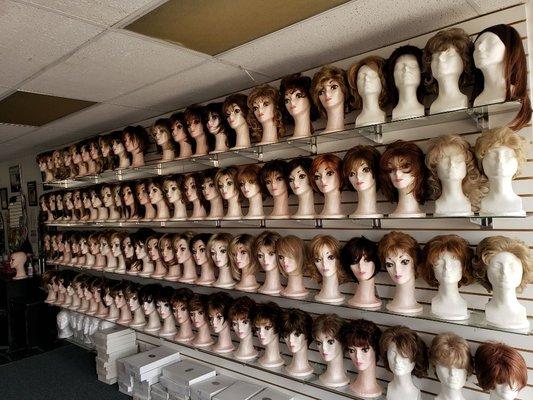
{"points": [[14, 178], [3, 199], [32, 193]]}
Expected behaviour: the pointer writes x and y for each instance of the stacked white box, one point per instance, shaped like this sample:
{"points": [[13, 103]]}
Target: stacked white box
{"points": [[112, 344], [272, 394], [158, 392], [178, 378], [239, 390], [207, 389]]}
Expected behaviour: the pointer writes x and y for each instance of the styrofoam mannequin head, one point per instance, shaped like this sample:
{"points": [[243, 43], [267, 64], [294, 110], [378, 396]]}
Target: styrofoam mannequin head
{"points": [[368, 81], [505, 271], [446, 62], [488, 50], [454, 378], [499, 162], [407, 72], [18, 259], [452, 164], [399, 364]]}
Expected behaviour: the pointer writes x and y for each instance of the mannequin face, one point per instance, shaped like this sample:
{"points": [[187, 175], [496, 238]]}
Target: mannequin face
{"points": [[116, 249], [95, 200], [505, 392], [213, 123], [400, 267], [68, 201], [452, 164], [161, 136], [117, 199], [364, 269], [178, 132], [52, 202], [500, 162], [399, 364], [131, 143], [242, 327], [447, 62], [328, 347], [242, 257], [276, 184], [235, 116], [296, 342], [93, 150], [226, 186], [406, 71], [297, 102], [67, 159], [120, 301], [217, 321], [362, 357], [181, 313], [128, 196], [172, 191], [133, 302], [140, 250], [85, 154], [265, 333], [198, 318], [104, 246], [62, 288], [361, 176], [87, 200], [288, 264], [96, 294], [166, 250], [76, 156], [219, 254], [331, 95], [87, 294], [454, 378], [209, 190], [155, 193], [368, 82], [326, 263], [153, 251], [66, 246], [118, 147], [327, 179], [505, 271], [79, 291], [59, 201], [190, 189], [75, 248], [249, 189], [148, 307], [163, 309], [105, 148], [195, 126], [299, 181], [263, 109], [142, 194], [182, 251], [77, 200], [448, 268], [199, 252], [128, 247], [402, 178], [94, 247], [267, 258], [70, 290], [488, 50]]}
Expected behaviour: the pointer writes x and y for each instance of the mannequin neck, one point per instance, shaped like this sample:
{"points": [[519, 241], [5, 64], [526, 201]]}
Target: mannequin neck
{"points": [[103, 213], [162, 210], [114, 312], [203, 334], [160, 268], [123, 161], [137, 158], [272, 350], [149, 211], [504, 297], [495, 396], [371, 104], [148, 266], [494, 78], [201, 145], [174, 270], [185, 331], [125, 313], [449, 290], [84, 304], [281, 205], [207, 273], [90, 259], [366, 381], [100, 262], [113, 212], [295, 283], [449, 86], [335, 368], [216, 207], [330, 287], [189, 270], [366, 202], [49, 175], [180, 210], [133, 211], [407, 203], [335, 118], [270, 132], [224, 338], [94, 214], [404, 295], [93, 305], [243, 136], [67, 300], [224, 276], [82, 168], [300, 360], [407, 97], [221, 141], [452, 188], [234, 207], [272, 280], [306, 203], [169, 324], [198, 210], [447, 393], [168, 153], [332, 202], [153, 320], [255, 206], [501, 186], [185, 149], [121, 263], [246, 346], [75, 304], [138, 317], [302, 124], [404, 383], [247, 280], [102, 309], [111, 261]]}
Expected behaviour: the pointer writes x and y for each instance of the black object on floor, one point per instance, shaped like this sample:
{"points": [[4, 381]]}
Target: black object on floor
{"points": [[68, 372]]}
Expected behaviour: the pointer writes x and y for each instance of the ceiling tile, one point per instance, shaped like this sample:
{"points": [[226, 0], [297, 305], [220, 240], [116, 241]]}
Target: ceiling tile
{"points": [[33, 38], [202, 83], [486, 6], [114, 64], [350, 29], [104, 12], [10, 131]]}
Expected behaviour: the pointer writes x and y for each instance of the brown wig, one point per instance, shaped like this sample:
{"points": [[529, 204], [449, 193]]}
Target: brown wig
{"points": [[406, 156], [181, 297], [497, 364], [219, 302], [251, 173], [409, 345], [179, 117], [265, 92], [247, 241], [354, 250], [164, 124], [330, 325], [407, 50], [215, 110], [327, 73], [315, 247], [362, 154], [240, 100], [272, 167], [395, 242], [453, 244], [327, 160], [137, 134], [242, 308], [198, 302], [131, 290], [109, 163], [266, 239], [196, 177], [289, 85], [296, 321], [362, 333], [294, 247], [378, 65], [451, 351], [515, 72], [267, 313]]}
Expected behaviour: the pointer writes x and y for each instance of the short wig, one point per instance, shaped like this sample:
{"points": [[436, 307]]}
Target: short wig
{"points": [[354, 250], [377, 64], [451, 351], [395, 242], [330, 161], [219, 302], [272, 167], [315, 247], [409, 345], [266, 239], [138, 135], [362, 333], [330, 325], [297, 321], [291, 83], [358, 155], [242, 308], [293, 247], [247, 241], [267, 313]]}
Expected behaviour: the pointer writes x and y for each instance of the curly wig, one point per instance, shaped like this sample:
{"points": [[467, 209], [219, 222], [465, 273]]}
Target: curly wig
{"points": [[362, 333], [409, 345], [272, 94], [500, 137], [394, 242], [451, 351], [242, 308], [327, 73]]}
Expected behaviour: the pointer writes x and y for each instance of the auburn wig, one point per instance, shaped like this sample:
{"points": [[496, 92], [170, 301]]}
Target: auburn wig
{"points": [[409, 345], [377, 64], [395, 242], [358, 155], [327, 73], [330, 161]]}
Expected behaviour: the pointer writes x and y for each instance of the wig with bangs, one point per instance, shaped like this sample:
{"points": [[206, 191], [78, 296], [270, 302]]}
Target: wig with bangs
{"points": [[223, 237], [329, 325], [165, 124], [409, 345], [198, 302], [251, 173], [272, 94], [243, 308], [377, 64], [500, 137], [179, 118], [316, 247], [137, 134], [247, 241], [451, 351], [271, 168], [181, 298], [289, 85], [326, 74], [396, 242], [266, 239], [434, 249], [362, 333], [219, 302], [297, 321], [358, 155], [329, 161], [293, 247], [231, 172], [267, 314], [357, 248]]}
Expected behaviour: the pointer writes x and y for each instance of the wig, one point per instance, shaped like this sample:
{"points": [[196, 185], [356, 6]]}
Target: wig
{"points": [[179, 118], [330, 325], [247, 242], [93, 146], [181, 298], [109, 162], [407, 50], [134, 210], [251, 173], [296, 321], [271, 168], [497, 364], [515, 72], [293, 247], [264, 92], [99, 285], [289, 85], [157, 184], [187, 236], [377, 64], [330, 161], [137, 134], [266, 239], [164, 296], [131, 291], [442, 41], [201, 237], [198, 302], [164, 124], [242, 308], [354, 250], [395, 242], [434, 248], [327, 73], [178, 179], [231, 172], [409, 158], [362, 333], [500, 137], [358, 155], [219, 238], [215, 110], [166, 240], [238, 99], [409, 345], [149, 293], [490, 246], [474, 183], [195, 176], [315, 248], [267, 314], [219, 302], [451, 351]]}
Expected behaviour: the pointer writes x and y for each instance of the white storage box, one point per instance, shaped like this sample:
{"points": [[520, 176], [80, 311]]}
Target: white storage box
{"points": [[272, 394], [187, 373], [151, 359], [239, 390], [207, 389]]}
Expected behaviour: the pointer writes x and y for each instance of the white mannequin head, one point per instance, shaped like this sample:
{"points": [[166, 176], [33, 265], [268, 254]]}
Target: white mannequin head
{"points": [[406, 72], [499, 162], [489, 50], [399, 364], [451, 358]]}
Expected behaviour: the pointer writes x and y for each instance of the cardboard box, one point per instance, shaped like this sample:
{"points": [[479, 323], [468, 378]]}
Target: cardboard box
{"points": [[151, 359], [187, 373], [239, 390], [272, 394], [205, 390]]}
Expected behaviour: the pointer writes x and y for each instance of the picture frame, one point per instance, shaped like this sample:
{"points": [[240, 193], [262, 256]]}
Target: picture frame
{"points": [[3, 199], [32, 193], [14, 178]]}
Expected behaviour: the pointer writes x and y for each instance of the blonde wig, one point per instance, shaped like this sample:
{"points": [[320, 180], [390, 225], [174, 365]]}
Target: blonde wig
{"points": [[220, 238], [187, 236], [327, 73], [474, 183], [315, 248], [377, 64], [247, 241], [451, 351], [490, 246], [293, 247], [272, 94], [500, 137]]}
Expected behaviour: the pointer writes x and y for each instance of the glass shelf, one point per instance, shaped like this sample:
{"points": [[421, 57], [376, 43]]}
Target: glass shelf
{"points": [[309, 304], [380, 133]]}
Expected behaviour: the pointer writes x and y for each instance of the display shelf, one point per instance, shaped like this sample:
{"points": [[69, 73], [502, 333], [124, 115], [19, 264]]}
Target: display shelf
{"points": [[340, 140], [380, 315]]}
